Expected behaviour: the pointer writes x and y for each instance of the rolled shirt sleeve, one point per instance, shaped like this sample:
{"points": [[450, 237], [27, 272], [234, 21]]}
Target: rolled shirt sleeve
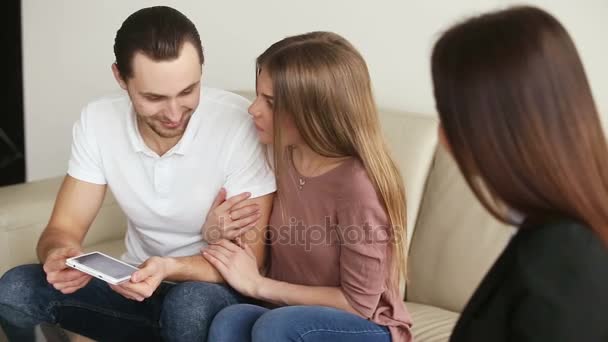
{"points": [[363, 231], [247, 167]]}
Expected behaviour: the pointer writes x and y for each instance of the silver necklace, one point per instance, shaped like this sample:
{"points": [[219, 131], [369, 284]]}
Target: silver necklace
{"points": [[302, 181]]}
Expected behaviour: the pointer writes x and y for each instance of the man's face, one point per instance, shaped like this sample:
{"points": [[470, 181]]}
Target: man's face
{"points": [[165, 93]]}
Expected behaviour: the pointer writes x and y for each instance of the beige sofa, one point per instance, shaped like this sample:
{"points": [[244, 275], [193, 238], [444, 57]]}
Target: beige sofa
{"points": [[453, 241]]}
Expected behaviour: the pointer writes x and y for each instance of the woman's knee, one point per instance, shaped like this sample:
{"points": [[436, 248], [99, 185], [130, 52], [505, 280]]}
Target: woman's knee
{"points": [[277, 325], [235, 322], [311, 323], [238, 313]]}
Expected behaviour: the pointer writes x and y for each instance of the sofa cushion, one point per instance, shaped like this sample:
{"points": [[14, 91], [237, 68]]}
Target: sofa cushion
{"points": [[412, 139], [431, 324], [27, 203], [25, 210], [455, 243]]}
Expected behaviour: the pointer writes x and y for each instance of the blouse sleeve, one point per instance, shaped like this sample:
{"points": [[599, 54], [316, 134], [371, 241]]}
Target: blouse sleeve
{"points": [[363, 233]]}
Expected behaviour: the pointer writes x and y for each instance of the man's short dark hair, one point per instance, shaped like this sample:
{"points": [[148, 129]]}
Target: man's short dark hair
{"points": [[158, 32]]}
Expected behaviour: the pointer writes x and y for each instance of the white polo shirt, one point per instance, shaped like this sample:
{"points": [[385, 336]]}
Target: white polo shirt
{"points": [[166, 199]]}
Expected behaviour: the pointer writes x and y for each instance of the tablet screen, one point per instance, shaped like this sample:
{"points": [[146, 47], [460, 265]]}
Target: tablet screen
{"points": [[101, 263]]}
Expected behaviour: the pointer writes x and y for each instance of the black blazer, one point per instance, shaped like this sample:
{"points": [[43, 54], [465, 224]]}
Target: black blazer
{"points": [[549, 284]]}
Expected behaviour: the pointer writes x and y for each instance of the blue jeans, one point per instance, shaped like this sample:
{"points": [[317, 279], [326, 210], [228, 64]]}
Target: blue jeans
{"points": [[245, 322], [175, 312]]}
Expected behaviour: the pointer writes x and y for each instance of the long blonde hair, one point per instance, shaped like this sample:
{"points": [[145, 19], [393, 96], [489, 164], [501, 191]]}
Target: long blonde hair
{"points": [[322, 83]]}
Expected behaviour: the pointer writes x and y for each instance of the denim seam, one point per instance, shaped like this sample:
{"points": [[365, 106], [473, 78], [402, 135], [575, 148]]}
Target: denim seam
{"points": [[368, 332], [110, 313], [50, 309]]}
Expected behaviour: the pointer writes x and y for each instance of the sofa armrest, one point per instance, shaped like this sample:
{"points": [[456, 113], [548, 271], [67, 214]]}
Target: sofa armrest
{"points": [[25, 210]]}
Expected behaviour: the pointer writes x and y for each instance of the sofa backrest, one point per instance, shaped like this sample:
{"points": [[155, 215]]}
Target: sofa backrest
{"points": [[25, 210], [412, 140], [455, 241]]}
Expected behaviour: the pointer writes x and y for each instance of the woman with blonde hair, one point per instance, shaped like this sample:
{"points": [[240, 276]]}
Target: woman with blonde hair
{"points": [[337, 231]]}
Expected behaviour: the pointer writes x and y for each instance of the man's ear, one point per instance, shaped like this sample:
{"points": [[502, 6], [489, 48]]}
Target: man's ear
{"points": [[118, 77]]}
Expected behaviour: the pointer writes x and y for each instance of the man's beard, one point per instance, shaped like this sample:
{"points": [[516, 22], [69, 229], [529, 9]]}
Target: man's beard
{"points": [[157, 127]]}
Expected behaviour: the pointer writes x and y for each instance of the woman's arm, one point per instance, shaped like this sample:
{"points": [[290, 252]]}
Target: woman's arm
{"points": [[282, 293], [239, 268]]}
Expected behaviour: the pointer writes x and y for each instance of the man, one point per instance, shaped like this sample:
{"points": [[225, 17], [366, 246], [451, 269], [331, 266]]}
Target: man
{"points": [[165, 150]]}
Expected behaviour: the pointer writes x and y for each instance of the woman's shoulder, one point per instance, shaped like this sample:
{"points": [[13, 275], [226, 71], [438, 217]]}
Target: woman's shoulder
{"points": [[355, 181], [559, 233], [558, 282], [561, 249]]}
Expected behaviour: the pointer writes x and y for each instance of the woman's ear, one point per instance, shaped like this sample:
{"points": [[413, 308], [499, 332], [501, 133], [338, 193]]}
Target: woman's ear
{"points": [[443, 139]]}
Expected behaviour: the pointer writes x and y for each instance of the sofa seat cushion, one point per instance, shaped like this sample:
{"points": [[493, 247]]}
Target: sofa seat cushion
{"points": [[431, 324]]}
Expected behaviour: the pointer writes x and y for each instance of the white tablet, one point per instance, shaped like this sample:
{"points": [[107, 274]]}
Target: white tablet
{"points": [[103, 267]]}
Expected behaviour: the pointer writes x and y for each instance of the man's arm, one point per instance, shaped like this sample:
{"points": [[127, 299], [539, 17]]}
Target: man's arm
{"points": [[197, 268], [144, 282], [76, 206]]}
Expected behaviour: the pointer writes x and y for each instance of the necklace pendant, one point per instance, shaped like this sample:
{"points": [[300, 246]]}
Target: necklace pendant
{"points": [[302, 182]]}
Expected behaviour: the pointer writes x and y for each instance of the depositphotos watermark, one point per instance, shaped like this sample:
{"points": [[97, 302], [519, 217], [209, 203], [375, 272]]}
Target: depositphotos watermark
{"points": [[296, 233]]}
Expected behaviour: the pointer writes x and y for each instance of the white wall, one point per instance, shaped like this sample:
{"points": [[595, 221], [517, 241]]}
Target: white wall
{"points": [[68, 50]]}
